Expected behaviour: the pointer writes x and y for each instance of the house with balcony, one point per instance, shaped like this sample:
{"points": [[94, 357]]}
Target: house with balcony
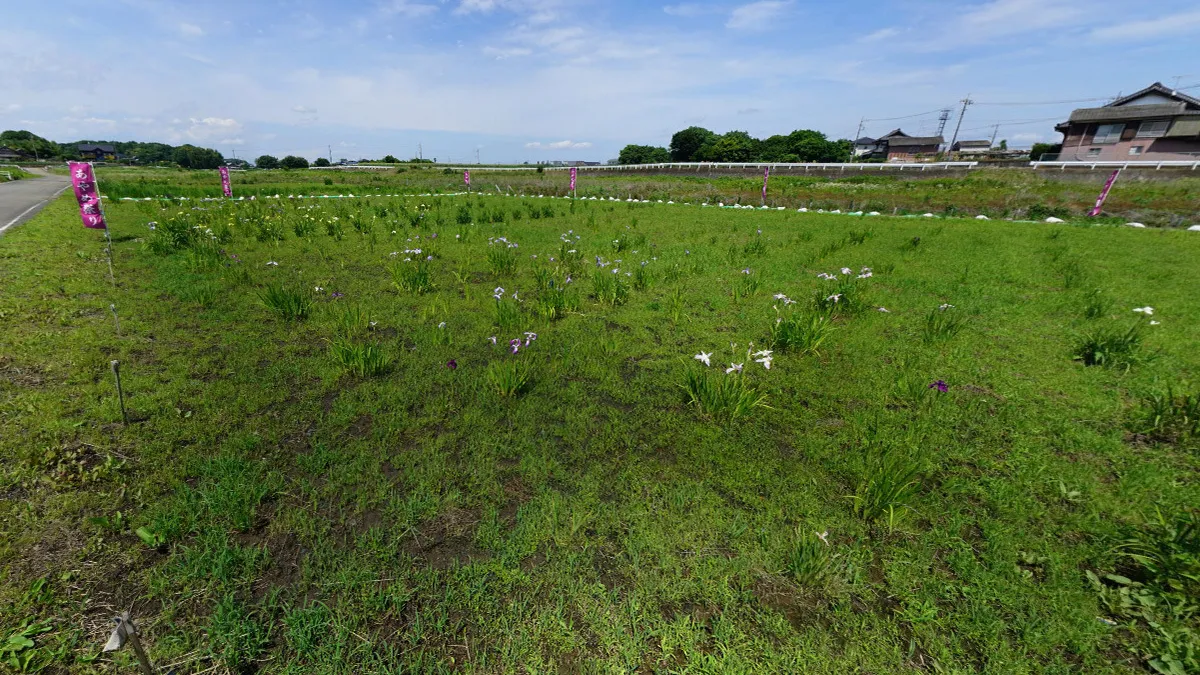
{"points": [[1155, 124]]}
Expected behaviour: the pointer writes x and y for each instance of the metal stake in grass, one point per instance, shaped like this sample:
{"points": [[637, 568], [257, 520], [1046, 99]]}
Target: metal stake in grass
{"points": [[126, 630], [116, 368], [116, 319]]}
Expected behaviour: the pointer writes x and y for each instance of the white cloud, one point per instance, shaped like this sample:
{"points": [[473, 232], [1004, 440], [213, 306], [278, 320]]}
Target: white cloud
{"points": [[687, 9], [231, 141], [1004, 17], [12, 107], [881, 34], [1176, 24], [559, 145], [501, 53], [190, 30], [756, 15], [468, 6], [304, 110], [408, 8]]}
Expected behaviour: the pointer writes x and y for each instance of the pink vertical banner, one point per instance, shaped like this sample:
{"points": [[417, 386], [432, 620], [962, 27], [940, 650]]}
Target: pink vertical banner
{"points": [[83, 180], [1104, 193], [766, 176], [574, 173], [467, 177], [225, 188]]}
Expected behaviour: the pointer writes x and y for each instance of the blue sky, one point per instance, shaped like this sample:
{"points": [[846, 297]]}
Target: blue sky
{"points": [[534, 80]]}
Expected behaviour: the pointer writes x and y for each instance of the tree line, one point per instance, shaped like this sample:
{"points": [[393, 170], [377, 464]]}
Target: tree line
{"points": [[697, 144], [187, 155]]}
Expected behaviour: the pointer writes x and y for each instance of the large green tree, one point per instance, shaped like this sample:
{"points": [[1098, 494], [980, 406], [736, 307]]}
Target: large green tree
{"points": [[293, 162], [321, 161], [686, 144], [267, 162], [735, 146], [643, 154], [191, 157]]}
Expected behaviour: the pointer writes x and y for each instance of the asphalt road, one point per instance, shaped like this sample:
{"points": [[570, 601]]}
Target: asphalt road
{"points": [[20, 200]]}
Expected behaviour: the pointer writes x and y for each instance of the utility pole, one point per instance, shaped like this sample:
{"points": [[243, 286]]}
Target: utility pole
{"points": [[995, 130], [330, 149], [857, 135], [420, 152], [965, 102], [476, 155]]}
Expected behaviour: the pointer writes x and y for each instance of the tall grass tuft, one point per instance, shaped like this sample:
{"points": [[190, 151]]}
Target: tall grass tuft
{"points": [[809, 561], [1168, 417], [361, 360], [412, 277], [510, 376], [722, 397], [291, 305], [942, 324], [1111, 347], [502, 260], [353, 321], [508, 314], [800, 333], [608, 288], [1096, 304], [555, 302], [891, 480]]}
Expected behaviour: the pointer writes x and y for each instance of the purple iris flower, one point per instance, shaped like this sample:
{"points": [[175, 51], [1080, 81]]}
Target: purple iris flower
{"points": [[335, 295], [515, 344], [452, 364], [940, 385]]}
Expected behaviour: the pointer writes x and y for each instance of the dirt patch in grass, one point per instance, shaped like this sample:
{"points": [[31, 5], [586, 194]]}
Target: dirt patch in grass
{"points": [[802, 608], [447, 540], [21, 375]]}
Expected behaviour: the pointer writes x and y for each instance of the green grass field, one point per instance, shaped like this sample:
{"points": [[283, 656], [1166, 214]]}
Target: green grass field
{"points": [[997, 193], [330, 467]]}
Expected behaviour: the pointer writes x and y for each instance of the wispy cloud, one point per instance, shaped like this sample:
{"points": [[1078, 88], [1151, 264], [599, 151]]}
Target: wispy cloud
{"points": [[190, 30], [407, 8], [1004, 17], [689, 9], [501, 53], [881, 34], [1175, 24], [757, 15], [558, 145]]}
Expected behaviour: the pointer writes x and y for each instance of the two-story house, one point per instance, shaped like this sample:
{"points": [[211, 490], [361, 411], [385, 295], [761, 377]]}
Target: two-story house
{"points": [[1156, 123]]}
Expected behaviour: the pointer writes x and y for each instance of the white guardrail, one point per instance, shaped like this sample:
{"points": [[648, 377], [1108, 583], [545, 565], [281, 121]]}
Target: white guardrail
{"points": [[1182, 164], [699, 166]]}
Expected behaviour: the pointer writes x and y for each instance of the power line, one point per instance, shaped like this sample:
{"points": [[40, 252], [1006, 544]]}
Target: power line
{"points": [[1076, 100], [905, 117]]}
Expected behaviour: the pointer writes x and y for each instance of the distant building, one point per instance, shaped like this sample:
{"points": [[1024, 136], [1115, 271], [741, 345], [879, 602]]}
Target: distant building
{"points": [[866, 147], [10, 155], [971, 147], [900, 147], [1156, 123], [95, 151]]}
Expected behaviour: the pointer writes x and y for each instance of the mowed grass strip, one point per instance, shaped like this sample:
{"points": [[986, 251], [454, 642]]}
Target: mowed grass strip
{"points": [[331, 466]]}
